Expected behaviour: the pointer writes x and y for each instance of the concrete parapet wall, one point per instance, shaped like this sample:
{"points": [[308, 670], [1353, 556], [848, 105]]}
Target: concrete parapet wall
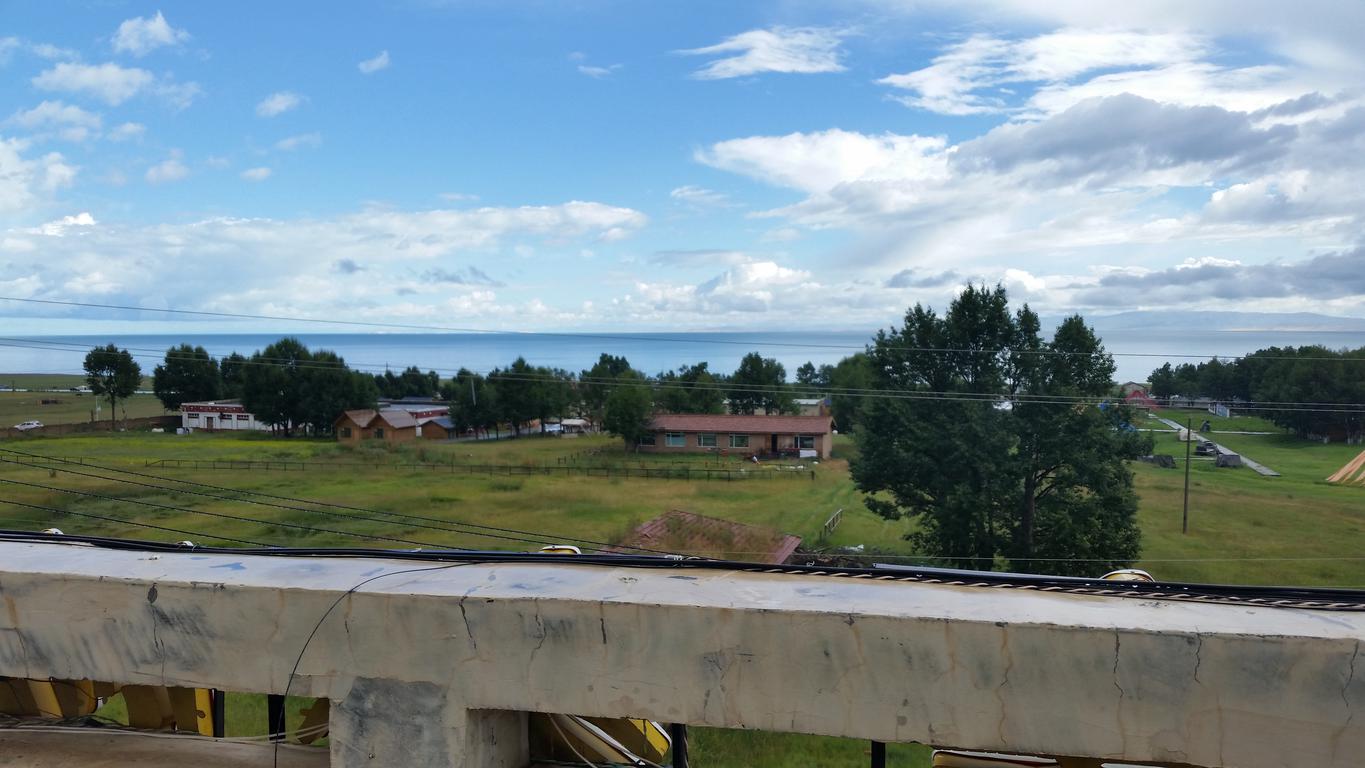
{"points": [[440, 662]]}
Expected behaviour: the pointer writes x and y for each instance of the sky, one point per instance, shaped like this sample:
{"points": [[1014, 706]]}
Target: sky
{"points": [[598, 165]]}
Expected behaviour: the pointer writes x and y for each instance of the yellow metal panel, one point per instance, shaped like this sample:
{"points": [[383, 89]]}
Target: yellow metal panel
{"points": [[75, 697], [44, 698], [314, 716], [149, 706], [192, 709]]}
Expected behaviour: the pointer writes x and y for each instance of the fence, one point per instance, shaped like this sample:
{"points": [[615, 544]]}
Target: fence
{"points": [[506, 470], [87, 427], [831, 524]]}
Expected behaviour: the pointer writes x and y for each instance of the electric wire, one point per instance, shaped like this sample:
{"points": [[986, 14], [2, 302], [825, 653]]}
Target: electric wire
{"points": [[224, 515], [514, 533], [135, 523], [578, 335], [870, 393], [289, 682]]}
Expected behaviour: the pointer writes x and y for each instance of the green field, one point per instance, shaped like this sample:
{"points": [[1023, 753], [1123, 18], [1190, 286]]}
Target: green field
{"points": [[1244, 528], [71, 408]]}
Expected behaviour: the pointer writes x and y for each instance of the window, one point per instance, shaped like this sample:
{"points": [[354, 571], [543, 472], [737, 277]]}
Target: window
{"points": [[192, 416], [806, 442], [647, 439], [739, 441], [379, 432], [345, 431], [243, 417], [675, 440], [706, 441]]}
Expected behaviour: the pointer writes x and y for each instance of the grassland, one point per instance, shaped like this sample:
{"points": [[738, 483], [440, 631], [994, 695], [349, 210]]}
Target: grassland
{"points": [[70, 407], [1244, 528]]}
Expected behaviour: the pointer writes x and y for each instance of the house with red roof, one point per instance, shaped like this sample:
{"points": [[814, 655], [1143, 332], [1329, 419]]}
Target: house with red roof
{"points": [[798, 436]]}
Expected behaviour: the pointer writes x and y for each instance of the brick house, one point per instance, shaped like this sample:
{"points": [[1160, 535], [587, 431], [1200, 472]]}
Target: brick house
{"points": [[390, 426], [808, 436]]}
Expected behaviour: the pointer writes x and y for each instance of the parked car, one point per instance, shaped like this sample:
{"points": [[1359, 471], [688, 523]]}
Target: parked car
{"points": [[26, 426]]}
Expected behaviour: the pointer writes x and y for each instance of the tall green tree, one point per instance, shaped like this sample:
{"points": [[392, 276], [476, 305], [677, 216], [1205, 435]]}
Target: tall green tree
{"points": [[291, 388], [846, 378], [985, 455], [230, 369], [760, 383], [188, 374], [410, 383], [520, 387], [690, 389], [595, 383], [112, 373], [629, 407]]}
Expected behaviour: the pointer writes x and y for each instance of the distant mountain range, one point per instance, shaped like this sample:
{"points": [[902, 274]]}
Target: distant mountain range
{"points": [[1223, 321]]}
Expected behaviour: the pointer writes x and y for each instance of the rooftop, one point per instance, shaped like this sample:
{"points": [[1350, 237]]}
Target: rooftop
{"points": [[706, 422]]}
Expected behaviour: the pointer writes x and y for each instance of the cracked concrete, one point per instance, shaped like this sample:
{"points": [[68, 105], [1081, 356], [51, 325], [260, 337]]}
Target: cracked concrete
{"points": [[1107, 678]]}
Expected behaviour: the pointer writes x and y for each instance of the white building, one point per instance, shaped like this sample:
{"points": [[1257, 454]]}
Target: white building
{"points": [[218, 416]]}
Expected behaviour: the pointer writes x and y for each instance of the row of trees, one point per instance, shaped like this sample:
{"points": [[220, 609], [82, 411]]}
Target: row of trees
{"points": [[288, 385], [1309, 390], [613, 394]]}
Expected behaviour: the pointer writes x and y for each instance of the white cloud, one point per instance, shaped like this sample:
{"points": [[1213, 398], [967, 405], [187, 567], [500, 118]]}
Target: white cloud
{"points": [[981, 74], [803, 50], [598, 72], [178, 95], [140, 36], [56, 172], [56, 118], [299, 141], [278, 103], [60, 227], [168, 170], [127, 131], [110, 83], [699, 197], [256, 174], [290, 266], [26, 183], [817, 162], [372, 65]]}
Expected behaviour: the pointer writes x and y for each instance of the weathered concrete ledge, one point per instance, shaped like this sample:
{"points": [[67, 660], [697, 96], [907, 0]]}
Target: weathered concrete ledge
{"points": [[433, 667]]}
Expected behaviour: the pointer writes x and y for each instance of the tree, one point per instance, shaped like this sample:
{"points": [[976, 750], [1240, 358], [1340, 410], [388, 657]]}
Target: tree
{"points": [[113, 373], [473, 402], [628, 409], [1163, 382], [760, 382], [289, 387], [230, 368], [846, 378], [595, 383], [691, 389], [999, 457], [410, 383], [187, 375], [519, 391]]}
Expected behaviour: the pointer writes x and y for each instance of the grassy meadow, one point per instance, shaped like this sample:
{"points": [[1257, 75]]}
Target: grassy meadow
{"points": [[1244, 528]]}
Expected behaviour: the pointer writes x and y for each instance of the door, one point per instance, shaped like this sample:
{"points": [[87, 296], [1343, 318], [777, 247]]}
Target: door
{"points": [[208, 423], [774, 450]]}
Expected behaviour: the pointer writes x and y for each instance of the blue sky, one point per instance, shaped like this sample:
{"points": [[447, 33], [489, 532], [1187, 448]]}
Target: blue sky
{"points": [[603, 165]]}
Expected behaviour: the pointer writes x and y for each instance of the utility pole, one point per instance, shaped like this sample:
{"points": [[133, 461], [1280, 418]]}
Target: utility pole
{"points": [[1185, 514]]}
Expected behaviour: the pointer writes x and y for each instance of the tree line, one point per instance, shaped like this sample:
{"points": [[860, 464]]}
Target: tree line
{"points": [[293, 388], [1305, 382]]}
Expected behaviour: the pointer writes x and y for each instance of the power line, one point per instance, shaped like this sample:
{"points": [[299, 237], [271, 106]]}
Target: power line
{"points": [[224, 515], [461, 526], [153, 526], [899, 394], [601, 336]]}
